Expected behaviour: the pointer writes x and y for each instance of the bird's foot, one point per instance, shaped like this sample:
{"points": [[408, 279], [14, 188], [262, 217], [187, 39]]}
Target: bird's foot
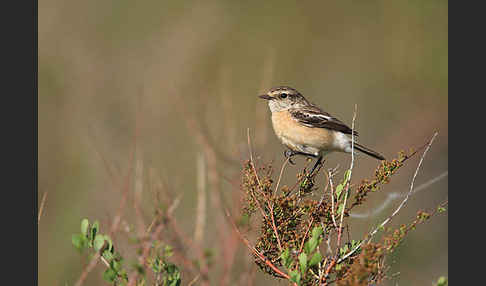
{"points": [[289, 154]]}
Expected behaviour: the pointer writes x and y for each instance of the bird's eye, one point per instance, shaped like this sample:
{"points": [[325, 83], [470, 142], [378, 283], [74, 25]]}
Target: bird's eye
{"points": [[284, 95]]}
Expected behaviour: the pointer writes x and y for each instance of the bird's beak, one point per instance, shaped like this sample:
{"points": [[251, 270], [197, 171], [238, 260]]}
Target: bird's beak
{"points": [[265, 96]]}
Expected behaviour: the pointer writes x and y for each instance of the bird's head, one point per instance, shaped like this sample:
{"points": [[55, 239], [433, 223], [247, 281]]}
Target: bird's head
{"points": [[283, 97]]}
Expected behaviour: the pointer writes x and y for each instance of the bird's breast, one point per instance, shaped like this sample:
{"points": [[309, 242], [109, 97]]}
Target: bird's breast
{"points": [[291, 132]]}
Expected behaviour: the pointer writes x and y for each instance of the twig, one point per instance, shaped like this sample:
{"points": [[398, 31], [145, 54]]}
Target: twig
{"points": [[41, 208], [114, 178], [137, 198], [116, 220], [251, 157], [202, 138], [396, 195], [194, 280], [371, 234], [305, 235], [259, 206], [332, 199], [142, 259], [281, 172], [201, 199], [270, 205], [348, 179], [409, 192], [328, 242], [256, 252], [302, 178], [329, 175], [334, 260]]}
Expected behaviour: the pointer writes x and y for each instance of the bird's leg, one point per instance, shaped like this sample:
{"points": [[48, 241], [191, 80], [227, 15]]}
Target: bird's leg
{"points": [[289, 154], [307, 183], [318, 162]]}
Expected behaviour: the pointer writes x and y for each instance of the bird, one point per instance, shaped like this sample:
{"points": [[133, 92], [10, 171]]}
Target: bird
{"points": [[305, 129]]}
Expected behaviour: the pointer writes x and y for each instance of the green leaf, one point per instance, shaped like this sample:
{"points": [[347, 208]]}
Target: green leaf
{"points": [[168, 252], [157, 265], [307, 247], [340, 209], [98, 242], [84, 226], [339, 190], [312, 244], [139, 268], [295, 276], [303, 262], [317, 231], [115, 265], [110, 242], [108, 255], [173, 277], [79, 241], [316, 258], [286, 259], [442, 281], [347, 176], [344, 249], [123, 274], [109, 275]]}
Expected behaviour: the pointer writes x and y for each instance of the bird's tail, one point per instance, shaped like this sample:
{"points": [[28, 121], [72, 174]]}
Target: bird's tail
{"points": [[368, 151]]}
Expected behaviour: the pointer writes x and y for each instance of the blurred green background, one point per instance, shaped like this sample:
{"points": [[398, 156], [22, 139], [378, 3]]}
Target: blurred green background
{"points": [[106, 67]]}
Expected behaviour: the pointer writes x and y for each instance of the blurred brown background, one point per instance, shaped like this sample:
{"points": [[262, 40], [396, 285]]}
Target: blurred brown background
{"points": [[107, 66]]}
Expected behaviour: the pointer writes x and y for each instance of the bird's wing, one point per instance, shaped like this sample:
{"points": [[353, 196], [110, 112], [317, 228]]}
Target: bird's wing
{"points": [[314, 117]]}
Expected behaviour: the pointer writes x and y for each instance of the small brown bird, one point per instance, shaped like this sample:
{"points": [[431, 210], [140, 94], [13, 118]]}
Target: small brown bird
{"points": [[306, 129]]}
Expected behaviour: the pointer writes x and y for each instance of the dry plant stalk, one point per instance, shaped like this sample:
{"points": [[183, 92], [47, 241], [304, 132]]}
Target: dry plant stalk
{"points": [[41, 208], [294, 225]]}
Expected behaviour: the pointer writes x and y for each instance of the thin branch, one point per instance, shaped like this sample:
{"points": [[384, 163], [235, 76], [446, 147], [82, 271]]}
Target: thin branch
{"points": [[270, 205], [41, 208], [334, 260], [302, 177], [256, 252], [348, 179], [259, 206], [142, 259], [396, 195], [371, 234], [116, 220], [251, 157], [281, 172], [201, 199], [409, 192], [137, 198], [305, 235], [332, 199], [329, 175], [194, 280]]}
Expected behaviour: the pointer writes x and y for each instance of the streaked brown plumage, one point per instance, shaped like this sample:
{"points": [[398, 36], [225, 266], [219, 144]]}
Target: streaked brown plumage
{"points": [[306, 129]]}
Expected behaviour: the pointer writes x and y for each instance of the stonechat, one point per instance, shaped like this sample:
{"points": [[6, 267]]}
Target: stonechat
{"points": [[306, 129]]}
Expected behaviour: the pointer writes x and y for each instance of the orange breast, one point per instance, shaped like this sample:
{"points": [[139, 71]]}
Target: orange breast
{"points": [[291, 132]]}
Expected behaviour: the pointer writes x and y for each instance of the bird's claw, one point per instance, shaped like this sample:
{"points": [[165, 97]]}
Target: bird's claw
{"points": [[288, 154]]}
